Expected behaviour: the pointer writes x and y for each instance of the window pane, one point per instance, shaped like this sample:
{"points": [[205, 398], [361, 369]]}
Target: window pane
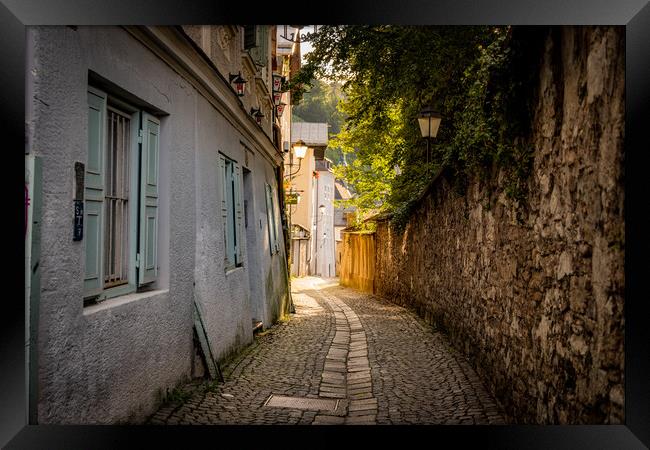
{"points": [[116, 238]]}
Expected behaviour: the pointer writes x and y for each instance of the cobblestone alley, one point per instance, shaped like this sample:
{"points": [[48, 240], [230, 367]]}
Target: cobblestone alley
{"points": [[343, 358]]}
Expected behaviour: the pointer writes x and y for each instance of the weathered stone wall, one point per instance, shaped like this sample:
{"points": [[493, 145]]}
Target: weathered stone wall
{"points": [[536, 303]]}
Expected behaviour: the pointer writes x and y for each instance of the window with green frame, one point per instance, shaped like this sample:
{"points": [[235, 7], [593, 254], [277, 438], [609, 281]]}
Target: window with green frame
{"points": [[120, 198], [271, 212], [256, 41], [231, 211]]}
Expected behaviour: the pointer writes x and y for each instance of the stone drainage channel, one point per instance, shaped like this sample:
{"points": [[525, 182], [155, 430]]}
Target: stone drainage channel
{"points": [[345, 393]]}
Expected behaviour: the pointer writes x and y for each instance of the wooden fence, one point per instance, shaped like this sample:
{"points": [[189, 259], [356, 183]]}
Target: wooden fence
{"points": [[358, 261]]}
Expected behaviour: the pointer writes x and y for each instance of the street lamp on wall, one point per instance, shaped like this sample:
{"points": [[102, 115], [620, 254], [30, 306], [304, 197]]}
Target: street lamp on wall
{"points": [[429, 121], [280, 109], [300, 149], [258, 117], [257, 113], [277, 82], [239, 83]]}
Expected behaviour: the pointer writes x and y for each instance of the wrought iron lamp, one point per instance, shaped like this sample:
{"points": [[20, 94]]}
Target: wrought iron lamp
{"points": [[239, 83], [257, 113], [429, 121], [300, 148], [277, 82], [280, 109]]}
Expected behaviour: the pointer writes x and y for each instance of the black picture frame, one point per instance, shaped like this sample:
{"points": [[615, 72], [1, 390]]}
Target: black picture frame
{"points": [[633, 14]]}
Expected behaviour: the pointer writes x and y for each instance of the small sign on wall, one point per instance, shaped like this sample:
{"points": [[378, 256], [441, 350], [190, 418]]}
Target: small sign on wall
{"points": [[78, 220], [79, 172]]}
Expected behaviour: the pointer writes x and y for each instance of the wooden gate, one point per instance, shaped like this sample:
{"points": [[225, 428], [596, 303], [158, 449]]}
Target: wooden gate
{"points": [[358, 261]]}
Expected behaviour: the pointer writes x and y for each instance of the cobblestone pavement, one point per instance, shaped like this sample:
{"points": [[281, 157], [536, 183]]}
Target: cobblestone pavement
{"points": [[372, 362]]}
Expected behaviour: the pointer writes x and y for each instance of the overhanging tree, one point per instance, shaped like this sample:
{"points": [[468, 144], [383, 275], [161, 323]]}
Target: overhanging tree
{"points": [[389, 73]]}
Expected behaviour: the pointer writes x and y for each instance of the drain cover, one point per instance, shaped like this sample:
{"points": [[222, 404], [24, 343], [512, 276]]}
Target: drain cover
{"points": [[315, 404]]}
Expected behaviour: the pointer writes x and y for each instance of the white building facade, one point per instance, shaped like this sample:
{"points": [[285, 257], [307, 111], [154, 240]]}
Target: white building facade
{"points": [[160, 200], [323, 238]]}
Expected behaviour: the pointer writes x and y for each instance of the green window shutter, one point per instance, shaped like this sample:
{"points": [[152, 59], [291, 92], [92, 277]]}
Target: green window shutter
{"points": [[260, 51], [269, 217], [223, 189], [238, 214], [230, 214], [94, 193], [276, 246], [149, 156], [250, 36]]}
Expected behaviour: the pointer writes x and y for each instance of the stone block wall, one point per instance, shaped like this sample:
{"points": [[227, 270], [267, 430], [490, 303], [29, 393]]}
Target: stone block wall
{"points": [[536, 301]]}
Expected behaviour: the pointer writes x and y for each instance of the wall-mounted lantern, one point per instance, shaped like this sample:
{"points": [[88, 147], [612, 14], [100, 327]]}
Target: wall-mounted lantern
{"points": [[257, 113], [300, 149], [258, 117], [280, 109], [239, 83], [277, 98], [429, 121], [277, 82]]}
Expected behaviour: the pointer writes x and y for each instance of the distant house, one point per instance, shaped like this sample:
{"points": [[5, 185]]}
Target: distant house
{"points": [[343, 217], [160, 194], [314, 182], [324, 258]]}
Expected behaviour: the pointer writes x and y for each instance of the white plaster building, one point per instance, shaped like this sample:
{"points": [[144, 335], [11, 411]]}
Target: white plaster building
{"points": [[323, 239], [342, 219], [160, 193]]}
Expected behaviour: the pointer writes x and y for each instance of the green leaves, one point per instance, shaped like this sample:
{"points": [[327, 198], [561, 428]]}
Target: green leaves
{"points": [[390, 73]]}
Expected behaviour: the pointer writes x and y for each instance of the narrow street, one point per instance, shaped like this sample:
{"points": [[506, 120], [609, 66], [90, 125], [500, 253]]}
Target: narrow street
{"points": [[345, 358], [334, 224]]}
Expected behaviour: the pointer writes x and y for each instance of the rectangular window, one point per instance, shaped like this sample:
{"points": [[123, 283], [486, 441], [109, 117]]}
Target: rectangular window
{"points": [[231, 211], [121, 198], [259, 45], [250, 36]]}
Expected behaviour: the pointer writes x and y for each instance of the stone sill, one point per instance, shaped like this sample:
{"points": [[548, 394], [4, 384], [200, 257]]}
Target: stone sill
{"points": [[234, 270], [116, 302]]}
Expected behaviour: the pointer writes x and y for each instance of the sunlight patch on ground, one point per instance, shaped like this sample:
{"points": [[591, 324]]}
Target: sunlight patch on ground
{"points": [[317, 283], [306, 305]]}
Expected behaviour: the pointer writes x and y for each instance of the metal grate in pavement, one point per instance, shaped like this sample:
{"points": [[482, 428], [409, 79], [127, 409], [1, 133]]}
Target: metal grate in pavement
{"points": [[314, 404]]}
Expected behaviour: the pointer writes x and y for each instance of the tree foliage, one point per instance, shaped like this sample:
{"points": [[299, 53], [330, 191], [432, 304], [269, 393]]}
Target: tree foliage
{"points": [[320, 104], [389, 73]]}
